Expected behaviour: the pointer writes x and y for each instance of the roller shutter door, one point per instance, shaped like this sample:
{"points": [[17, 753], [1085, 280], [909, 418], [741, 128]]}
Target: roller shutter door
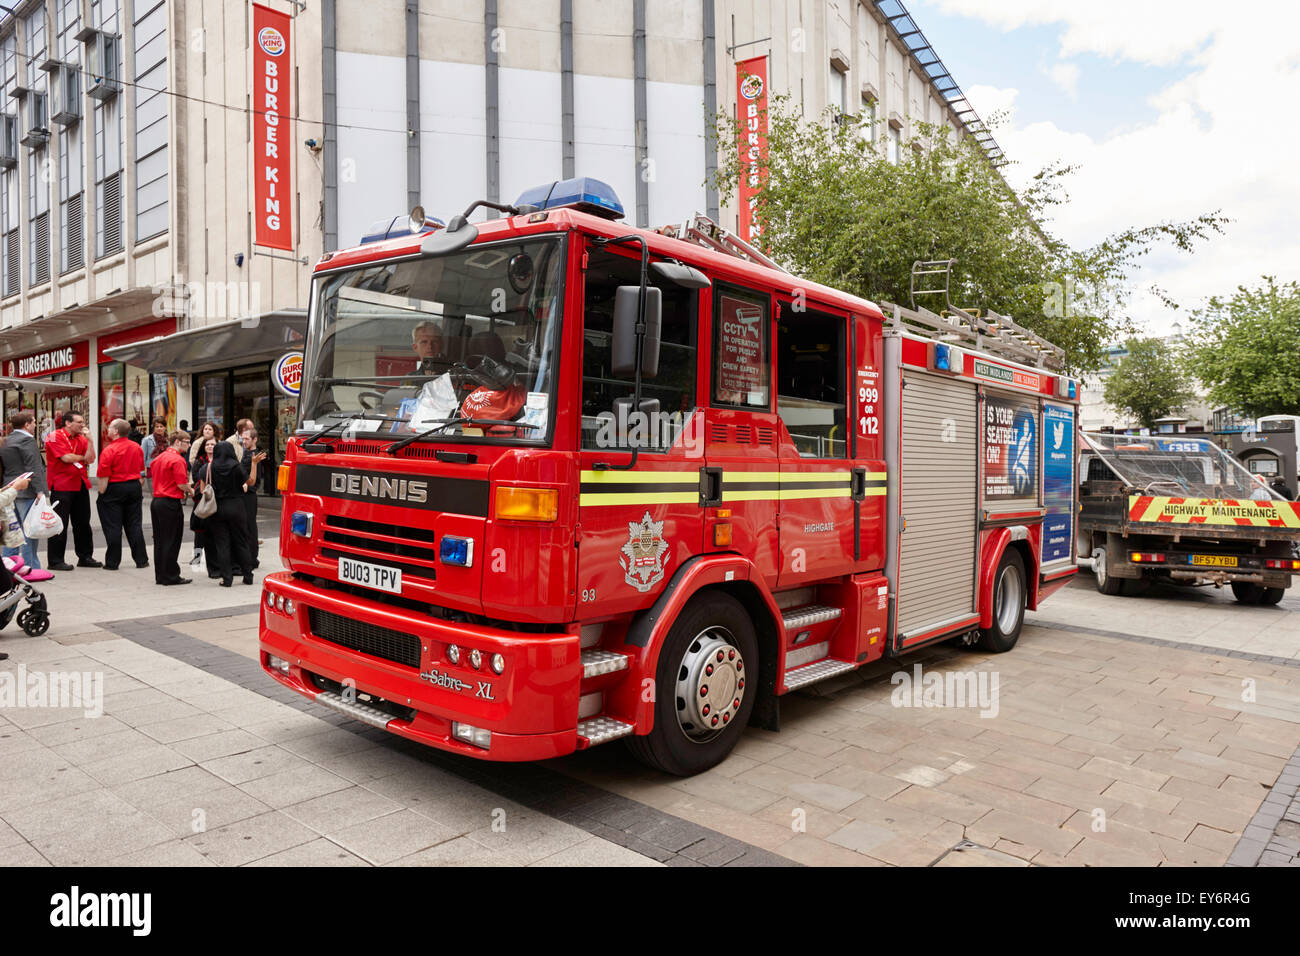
{"points": [[938, 486]]}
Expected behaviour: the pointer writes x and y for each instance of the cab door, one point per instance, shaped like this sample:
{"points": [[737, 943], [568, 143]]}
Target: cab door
{"points": [[638, 525], [819, 489]]}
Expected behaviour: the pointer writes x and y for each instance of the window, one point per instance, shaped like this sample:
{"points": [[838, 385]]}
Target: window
{"points": [[839, 84], [810, 388], [668, 399], [742, 367], [869, 117], [150, 119], [894, 145]]}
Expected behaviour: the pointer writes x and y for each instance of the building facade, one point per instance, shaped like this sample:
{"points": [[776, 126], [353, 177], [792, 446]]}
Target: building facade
{"points": [[129, 211]]}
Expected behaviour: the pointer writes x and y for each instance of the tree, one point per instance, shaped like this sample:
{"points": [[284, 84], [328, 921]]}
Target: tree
{"points": [[1246, 349], [835, 211], [1149, 383]]}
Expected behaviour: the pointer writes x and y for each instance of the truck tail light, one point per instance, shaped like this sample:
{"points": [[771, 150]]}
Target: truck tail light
{"points": [[1282, 563], [528, 504], [1145, 557]]}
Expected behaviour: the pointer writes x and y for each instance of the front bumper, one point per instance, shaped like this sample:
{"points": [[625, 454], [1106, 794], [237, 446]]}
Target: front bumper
{"points": [[531, 708]]}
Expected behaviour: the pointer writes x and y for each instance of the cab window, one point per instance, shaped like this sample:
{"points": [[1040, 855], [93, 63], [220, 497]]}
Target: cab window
{"points": [[667, 400], [742, 367], [811, 391]]}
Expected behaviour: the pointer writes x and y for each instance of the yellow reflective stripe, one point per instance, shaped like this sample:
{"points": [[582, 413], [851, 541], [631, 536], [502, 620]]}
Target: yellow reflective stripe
{"points": [[876, 492], [641, 477], [760, 495], [877, 475], [590, 499], [793, 494]]}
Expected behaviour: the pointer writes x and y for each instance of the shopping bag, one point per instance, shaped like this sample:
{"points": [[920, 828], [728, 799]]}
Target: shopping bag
{"points": [[207, 505], [42, 521]]}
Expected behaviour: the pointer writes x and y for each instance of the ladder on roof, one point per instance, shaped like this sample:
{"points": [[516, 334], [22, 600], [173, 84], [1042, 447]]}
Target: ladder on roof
{"points": [[701, 229], [991, 333]]}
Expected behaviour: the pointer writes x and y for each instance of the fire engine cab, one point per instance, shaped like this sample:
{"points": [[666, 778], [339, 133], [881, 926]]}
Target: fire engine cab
{"points": [[558, 481]]}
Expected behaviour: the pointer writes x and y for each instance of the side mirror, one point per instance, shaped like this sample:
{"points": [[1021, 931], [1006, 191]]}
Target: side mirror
{"points": [[623, 352]]}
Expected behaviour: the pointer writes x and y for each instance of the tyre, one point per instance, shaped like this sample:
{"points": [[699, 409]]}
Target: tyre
{"points": [[1271, 596], [1247, 593], [703, 687], [34, 622], [1105, 583], [1009, 594]]}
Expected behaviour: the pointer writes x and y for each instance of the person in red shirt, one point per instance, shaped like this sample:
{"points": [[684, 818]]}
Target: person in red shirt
{"points": [[121, 496], [67, 453], [170, 474]]}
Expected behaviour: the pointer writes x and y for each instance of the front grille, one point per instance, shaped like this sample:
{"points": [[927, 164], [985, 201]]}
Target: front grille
{"points": [[368, 638], [388, 544]]}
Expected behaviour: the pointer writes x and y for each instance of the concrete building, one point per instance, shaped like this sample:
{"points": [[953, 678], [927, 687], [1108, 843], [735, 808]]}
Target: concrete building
{"points": [[1096, 415], [127, 165]]}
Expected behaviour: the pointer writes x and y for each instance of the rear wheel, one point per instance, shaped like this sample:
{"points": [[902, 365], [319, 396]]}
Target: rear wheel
{"points": [[1009, 594], [703, 691], [1105, 583], [1249, 593]]}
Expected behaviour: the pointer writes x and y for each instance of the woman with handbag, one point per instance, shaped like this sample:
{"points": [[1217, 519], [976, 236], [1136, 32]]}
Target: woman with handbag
{"points": [[199, 475], [228, 526]]}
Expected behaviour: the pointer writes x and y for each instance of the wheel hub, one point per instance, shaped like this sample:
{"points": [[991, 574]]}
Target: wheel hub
{"points": [[1009, 599], [710, 685]]}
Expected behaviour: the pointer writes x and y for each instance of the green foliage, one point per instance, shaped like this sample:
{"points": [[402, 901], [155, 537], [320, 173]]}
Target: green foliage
{"points": [[835, 211], [1149, 383], [1246, 349]]}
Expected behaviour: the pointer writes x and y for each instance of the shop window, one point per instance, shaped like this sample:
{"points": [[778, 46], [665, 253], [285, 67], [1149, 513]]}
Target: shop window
{"points": [[810, 392], [668, 399], [742, 367]]}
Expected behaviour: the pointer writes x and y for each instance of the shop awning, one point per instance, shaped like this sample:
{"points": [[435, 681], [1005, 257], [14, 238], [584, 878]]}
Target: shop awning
{"points": [[37, 385], [257, 338]]}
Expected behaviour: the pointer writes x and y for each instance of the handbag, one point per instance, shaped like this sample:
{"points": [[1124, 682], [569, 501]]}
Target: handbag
{"points": [[207, 505]]}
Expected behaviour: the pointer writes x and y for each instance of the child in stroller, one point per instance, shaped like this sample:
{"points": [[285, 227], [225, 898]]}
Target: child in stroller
{"points": [[34, 619]]}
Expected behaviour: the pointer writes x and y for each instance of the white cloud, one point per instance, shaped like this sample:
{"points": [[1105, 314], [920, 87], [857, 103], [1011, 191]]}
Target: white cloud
{"points": [[1222, 136], [1066, 76]]}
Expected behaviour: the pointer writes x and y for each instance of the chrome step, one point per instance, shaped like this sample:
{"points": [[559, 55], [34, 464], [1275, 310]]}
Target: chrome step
{"points": [[812, 673], [600, 730], [596, 662], [799, 656], [357, 711], [808, 615]]}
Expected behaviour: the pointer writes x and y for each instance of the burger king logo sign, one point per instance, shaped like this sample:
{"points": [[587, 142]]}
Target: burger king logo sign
{"points": [[287, 373], [271, 41], [751, 87]]}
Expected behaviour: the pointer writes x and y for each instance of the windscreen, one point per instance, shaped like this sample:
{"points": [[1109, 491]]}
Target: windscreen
{"points": [[1178, 467], [445, 347]]}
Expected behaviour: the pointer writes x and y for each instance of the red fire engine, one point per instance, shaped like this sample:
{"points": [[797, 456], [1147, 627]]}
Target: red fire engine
{"points": [[558, 481]]}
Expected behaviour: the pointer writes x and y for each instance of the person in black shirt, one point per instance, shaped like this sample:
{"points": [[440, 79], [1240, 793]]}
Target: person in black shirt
{"points": [[227, 528]]}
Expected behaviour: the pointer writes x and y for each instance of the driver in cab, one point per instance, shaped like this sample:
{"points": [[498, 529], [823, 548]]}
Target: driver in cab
{"points": [[426, 342]]}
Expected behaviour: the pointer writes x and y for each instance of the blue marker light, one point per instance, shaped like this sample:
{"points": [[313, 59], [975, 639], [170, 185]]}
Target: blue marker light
{"points": [[456, 551], [300, 524], [582, 193]]}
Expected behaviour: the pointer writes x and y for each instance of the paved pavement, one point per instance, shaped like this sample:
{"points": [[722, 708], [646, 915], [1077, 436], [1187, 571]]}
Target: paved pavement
{"points": [[1148, 731]]}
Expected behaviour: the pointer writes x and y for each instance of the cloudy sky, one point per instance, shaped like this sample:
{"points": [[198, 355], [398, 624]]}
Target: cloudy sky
{"points": [[1171, 108]]}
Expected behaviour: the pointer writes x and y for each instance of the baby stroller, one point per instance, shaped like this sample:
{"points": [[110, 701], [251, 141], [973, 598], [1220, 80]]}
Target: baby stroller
{"points": [[33, 619]]}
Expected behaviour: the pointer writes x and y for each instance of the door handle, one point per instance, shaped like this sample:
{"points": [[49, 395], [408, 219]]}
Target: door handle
{"points": [[710, 486], [858, 487]]}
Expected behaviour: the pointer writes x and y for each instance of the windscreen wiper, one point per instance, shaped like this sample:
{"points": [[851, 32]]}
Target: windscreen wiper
{"points": [[314, 438], [398, 445]]}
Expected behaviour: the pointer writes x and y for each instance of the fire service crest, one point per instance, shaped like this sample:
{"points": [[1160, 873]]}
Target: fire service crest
{"points": [[643, 555]]}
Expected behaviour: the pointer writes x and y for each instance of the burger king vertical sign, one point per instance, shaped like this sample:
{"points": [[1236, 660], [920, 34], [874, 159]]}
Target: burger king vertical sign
{"points": [[751, 107], [272, 130]]}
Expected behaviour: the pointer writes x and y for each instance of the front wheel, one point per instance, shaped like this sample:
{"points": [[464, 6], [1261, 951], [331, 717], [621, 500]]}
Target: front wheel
{"points": [[1009, 593], [704, 689]]}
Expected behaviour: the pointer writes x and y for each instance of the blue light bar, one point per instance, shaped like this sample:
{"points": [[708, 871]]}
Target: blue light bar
{"points": [[947, 358], [397, 227], [583, 193]]}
